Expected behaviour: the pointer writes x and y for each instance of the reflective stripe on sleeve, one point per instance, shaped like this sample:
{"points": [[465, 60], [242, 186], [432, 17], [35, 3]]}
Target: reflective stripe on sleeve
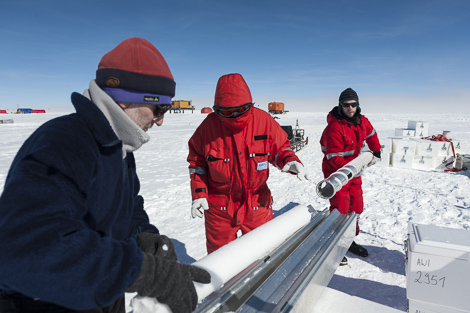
{"points": [[340, 154], [372, 133], [277, 155], [199, 170]]}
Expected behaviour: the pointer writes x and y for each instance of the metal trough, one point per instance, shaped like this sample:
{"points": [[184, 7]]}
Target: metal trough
{"points": [[291, 276]]}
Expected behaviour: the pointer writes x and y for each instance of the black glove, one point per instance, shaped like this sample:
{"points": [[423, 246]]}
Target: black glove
{"points": [[158, 245], [170, 282], [376, 154]]}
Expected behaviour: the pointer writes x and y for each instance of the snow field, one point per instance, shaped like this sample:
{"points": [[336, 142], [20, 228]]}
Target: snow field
{"points": [[392, 197]]}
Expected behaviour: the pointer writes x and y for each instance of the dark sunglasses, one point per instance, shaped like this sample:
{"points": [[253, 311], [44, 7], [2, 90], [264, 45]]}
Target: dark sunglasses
{"points": [[232, 112], [161, 109], [345, 105]]}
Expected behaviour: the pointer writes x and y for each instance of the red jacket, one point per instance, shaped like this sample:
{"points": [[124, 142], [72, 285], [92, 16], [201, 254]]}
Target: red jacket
{"points": [[341, 141], [231, 169]]}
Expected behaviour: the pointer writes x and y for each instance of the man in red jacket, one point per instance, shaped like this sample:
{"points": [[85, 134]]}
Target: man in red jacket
{"points": [[341, 142], [229, 156]]}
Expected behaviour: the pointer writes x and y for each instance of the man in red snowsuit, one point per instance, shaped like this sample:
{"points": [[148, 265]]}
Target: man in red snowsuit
{"points": [[341, 142], [229, 156]]}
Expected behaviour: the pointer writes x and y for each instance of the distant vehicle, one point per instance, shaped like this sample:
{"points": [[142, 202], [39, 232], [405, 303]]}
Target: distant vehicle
{"points": [[296, 137], [178, 106], [24, 111], [276, 108], [29, 111]]}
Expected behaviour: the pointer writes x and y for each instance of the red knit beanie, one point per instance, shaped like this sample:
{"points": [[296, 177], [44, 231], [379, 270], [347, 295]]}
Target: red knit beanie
{"points": [[136, 65]]}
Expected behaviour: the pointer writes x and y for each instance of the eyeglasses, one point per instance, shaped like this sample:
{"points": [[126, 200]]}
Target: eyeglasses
{"points": [[232, 112], [160, 109], [353, 104]]}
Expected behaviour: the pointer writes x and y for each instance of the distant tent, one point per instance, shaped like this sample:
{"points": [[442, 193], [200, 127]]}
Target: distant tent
{"points": [[3, 111], [38, 111], [206, 110]]}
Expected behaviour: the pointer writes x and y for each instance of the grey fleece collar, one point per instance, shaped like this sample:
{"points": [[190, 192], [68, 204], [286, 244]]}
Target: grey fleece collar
{"points": [[131, 135]]}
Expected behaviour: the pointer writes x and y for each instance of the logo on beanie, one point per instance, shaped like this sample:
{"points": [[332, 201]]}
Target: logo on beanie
{"points": [[151, 99], [112, 82]]}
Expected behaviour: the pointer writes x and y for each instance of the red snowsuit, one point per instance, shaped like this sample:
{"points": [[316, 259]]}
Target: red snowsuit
{"points": [[228, 163], [341, 142]]}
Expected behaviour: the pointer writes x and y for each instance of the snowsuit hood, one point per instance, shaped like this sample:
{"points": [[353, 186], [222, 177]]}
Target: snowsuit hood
{"points": [[232, 91]]}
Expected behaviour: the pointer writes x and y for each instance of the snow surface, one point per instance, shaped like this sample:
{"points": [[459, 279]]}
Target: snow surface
{"points": [[392, 197]]}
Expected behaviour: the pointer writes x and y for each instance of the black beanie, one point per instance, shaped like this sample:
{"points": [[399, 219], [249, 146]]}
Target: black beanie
{"points": [[348, 94]]}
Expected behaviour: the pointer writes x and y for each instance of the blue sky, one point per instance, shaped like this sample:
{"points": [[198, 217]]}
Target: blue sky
{"points": [[400, 56]]}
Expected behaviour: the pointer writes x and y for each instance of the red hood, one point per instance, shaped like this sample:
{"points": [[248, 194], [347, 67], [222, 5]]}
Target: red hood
{"points": [[232, 91]]}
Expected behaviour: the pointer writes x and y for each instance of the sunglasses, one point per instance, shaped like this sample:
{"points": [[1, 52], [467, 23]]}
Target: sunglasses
{"points": [[232, 112], [160, 109], [345, 105]]}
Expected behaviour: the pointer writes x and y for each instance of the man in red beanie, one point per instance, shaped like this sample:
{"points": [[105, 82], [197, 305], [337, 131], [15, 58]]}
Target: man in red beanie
{"points": [[229, 156], [79, 238], [341, 142]]}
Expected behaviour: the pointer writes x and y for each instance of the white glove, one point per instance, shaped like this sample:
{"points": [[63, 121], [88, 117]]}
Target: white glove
{"points": [[296, 168], [197, 205], [375, 159]]}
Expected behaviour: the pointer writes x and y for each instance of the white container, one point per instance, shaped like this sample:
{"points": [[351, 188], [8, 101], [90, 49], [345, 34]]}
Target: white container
{"points": [[401, 160], [384, 157], [442, 163], [427, 147], [404, 132], [438, 267], [444, 148], [462, 160], [421, 128], [415, 306], [421, 162], [384, 149], [402, 145], [384, 160], [446, 133], [460, 146]]}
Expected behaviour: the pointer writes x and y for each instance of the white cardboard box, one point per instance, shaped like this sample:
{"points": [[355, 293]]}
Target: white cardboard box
{"points": [[403, 145], [401, 160], [460, 146], [421, 162], [427, 147], [384, 157], [385, 149], [405, 132], [438, 266], [384, 160], [443, 148], [421, 128], [442, 163]]}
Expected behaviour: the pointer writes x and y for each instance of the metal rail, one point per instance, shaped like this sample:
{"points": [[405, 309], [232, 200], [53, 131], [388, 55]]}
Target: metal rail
{"points": [[298, 283], [304, 262]]}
